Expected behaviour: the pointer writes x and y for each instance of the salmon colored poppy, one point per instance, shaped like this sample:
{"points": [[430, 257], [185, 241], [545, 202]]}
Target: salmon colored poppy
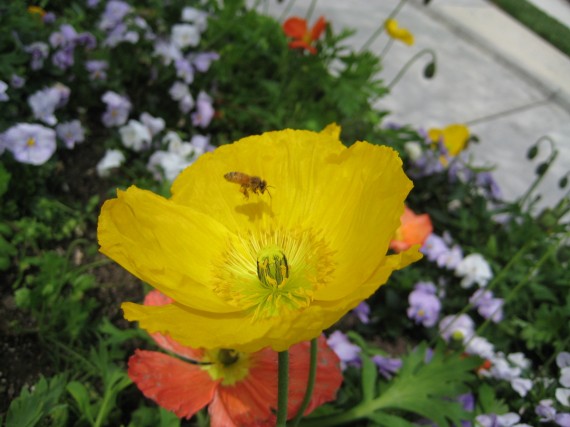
{"points": [[240, 388], [303, 38], [397, 33], [414, 230]]}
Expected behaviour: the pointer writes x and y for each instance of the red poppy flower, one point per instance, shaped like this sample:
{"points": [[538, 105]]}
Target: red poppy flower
{"points": [[414, 230], [298, 30], [240, 388]]}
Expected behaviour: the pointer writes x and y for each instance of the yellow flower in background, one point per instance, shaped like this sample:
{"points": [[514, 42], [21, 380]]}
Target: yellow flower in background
{"points": [[266, 270], [454, 137], [36, 10], [394, 31]]}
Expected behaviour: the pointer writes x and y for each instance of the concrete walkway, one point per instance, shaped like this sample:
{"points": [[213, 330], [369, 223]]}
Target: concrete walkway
{"points": [[487, 63]]}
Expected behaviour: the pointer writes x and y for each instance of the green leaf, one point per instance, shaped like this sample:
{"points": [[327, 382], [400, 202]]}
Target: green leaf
{"points": [[31, 407], [428, 389], [81, 396], [387, 420], [369, 378]]}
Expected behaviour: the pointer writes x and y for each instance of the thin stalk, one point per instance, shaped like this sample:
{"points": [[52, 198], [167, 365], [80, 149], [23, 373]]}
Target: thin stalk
{"points": [[282, 388], [310, 10], [285, 12], [490, 286], [386, 48], [405, 68], [521, 284], [310, 382], [380, 29], [540, 177], [509, 111]]}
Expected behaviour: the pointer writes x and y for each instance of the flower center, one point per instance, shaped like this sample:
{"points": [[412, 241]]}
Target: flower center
{"points": [[268, 272], [31, 142], [227, 365]]}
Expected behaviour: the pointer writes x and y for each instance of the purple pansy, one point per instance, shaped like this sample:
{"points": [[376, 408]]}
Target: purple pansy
{"points": [[202, 61], [488, 306], [3, 95], [70, 133], [97, 69], [30, 143], [387, 366], [204, 110], [39, 52], [44, 102], [424, 304], [362, 311], [118, 109], [347, 352]]}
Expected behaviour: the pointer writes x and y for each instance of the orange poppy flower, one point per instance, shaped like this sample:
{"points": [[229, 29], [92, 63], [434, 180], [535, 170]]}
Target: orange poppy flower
{"points": [[298, 30], [414, 230], [240, 388]]}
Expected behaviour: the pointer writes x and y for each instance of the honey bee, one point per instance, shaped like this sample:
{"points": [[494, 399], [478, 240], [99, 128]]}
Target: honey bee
{"points": [[246, 182]]}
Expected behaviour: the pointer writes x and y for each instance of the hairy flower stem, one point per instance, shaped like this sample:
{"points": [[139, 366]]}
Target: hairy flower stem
{"points": [[310, 10], [514, 260], [282, 388], [540, 177], [380, 29], [310, 383], [523, 282], [413, 59]]}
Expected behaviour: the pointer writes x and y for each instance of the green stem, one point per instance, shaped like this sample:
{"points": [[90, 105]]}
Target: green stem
{"points": [[539, 178], [310, 382], [520, 285], [497, 279], [283, 388], [510, 111], [290, 4], [409, 64], [386, 48], [310, 10], [380, 29]]}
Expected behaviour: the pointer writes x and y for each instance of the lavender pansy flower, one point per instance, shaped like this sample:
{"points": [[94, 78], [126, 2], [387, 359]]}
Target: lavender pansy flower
{"points": [[114, 13], [563, 359], [97, 69], [202, 143], [3, 95], [17, 81], [347, 352], [184, 70], [424, 304], [362, 311], [154, 124], [387, 366], [167, 51], [30, 143], [39, 52], [481, 347], [545, 411], [43, 104], [488, 306], [204, 110], [63, 58], [70, 133], [196, 17], [457, 327], [49, 18], [202, 61], [118, 109], [434, 247]]}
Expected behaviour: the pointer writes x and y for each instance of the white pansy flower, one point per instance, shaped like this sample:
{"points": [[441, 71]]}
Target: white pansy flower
{"points": [[474, 269], [414, 150], [112, 159], [154, 124], [185, 35], [135, 135], [196, 17]]}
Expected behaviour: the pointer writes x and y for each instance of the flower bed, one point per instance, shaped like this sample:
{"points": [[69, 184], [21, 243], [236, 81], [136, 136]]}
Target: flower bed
{"points": [[301, 276]]}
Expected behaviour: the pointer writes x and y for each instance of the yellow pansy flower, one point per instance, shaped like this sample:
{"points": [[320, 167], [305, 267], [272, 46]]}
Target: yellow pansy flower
{"points": [[454, 137], [266, 270], [402, 34]]}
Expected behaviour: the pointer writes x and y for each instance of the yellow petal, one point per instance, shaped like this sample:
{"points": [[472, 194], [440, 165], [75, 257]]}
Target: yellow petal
{"points": [[166, 245], [398, 33]]}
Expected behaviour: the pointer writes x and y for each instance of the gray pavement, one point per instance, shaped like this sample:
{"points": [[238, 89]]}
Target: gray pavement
{"points": [[487, 63]]}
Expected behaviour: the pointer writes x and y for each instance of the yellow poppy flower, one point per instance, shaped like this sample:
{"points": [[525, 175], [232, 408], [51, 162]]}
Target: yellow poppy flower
{"points": [[454, 137], [270, 269], [402, 34]]}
